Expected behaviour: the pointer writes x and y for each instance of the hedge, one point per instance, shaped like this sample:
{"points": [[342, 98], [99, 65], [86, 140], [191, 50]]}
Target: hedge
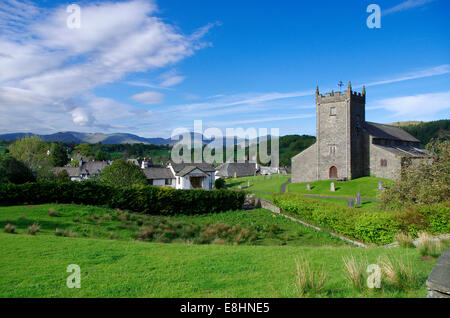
{"points": [[370, 227], [143, 198]]}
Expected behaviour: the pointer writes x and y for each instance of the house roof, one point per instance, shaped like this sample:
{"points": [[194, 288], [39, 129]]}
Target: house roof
{"points": [[188, 169], [88, 168], [241, 169], [72, 171], [206, 167], [158, 173], [388, 132]]}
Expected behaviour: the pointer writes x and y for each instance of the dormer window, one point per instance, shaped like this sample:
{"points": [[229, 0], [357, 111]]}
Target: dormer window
{"points": [[332, 111]]}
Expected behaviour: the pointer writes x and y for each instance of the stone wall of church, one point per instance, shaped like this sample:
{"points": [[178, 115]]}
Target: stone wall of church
{"points": [[304, 165], [394, 163]]}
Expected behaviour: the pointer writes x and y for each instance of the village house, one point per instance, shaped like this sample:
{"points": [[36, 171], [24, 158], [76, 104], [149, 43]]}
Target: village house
{"points": [[85, 170], [348, 147]]}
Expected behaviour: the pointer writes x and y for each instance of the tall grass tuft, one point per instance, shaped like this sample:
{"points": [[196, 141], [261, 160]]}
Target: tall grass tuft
{"points": [[307, 279], [10, 228], [428, 246], [34, 228], [397, 274], [404, 239], [52, 212], [355, 272]]}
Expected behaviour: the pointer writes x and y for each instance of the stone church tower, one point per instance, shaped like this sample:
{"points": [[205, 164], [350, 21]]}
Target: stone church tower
{"points": [[348, 147], [340, 143]]}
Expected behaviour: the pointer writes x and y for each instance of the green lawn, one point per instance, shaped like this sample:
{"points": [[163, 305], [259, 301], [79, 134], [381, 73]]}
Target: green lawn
{"points": [[98, 222], [368, 187], [260, 184], [35, 266]]}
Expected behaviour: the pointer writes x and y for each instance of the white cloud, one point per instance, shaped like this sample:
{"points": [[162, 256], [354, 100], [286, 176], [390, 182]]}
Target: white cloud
{"points": [[406, 5], [49, 70], [148, 98], [416, 106]]}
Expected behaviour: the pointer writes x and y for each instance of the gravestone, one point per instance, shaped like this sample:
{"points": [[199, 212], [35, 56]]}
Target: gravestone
{"points": [[235, 175], [268, 176], [350, 203], [438, 282], [358, 199], [248, 183], [239, 187], [308, 187], [332, 187], [380, 185]]}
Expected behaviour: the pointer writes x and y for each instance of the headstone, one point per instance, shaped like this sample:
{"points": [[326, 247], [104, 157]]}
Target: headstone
{"points": [[268, 176], [248, 183], [235, 175], [358, 199], [350, 203], [380, 185], [332, 187], [239, 187], [308, 187]]}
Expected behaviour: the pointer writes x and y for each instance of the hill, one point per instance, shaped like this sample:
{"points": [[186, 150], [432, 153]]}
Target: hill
{"points": [[425, 131]]}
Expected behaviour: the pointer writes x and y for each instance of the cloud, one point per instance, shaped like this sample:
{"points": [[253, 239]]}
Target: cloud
{"points": [[429, 72], [50, 71], [406, 5], [416, 106], [148, 98]]}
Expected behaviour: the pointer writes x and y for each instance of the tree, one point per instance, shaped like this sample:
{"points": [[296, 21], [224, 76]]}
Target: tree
{"points": [[425, 182], [58, 155], [102, 155], [14, 171], [32, 151], [122, 173]]}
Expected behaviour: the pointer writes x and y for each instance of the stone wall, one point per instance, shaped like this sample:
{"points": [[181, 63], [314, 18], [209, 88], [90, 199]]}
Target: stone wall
{"points": [[304, 165], [394, 163]]}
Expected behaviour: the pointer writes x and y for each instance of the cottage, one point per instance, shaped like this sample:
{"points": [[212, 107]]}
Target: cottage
{"points": [[85, 170], [192, 175]]}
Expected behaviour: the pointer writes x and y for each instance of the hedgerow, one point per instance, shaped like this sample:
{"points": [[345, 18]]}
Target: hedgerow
{"points": [[370, 227], [141, 198]]}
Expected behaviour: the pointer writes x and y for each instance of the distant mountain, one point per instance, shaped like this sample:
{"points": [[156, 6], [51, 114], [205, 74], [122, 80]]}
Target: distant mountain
{"points": [[91, 138]]}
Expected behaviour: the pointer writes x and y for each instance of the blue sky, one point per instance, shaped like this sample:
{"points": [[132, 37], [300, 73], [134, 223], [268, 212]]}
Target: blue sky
{"points": [[148, 67]]}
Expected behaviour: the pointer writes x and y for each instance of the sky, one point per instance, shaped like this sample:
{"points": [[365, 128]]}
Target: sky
{"points": [[149, 67]]}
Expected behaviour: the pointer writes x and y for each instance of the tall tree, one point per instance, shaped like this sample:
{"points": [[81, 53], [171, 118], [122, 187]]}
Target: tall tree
{"points": [[32, 151], [14, 171], [58, 155], [123, 173]]}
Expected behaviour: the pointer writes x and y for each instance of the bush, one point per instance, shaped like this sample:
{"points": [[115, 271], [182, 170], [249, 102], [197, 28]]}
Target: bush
{"points": [[219, 184], [139, 198], [371, 227]]}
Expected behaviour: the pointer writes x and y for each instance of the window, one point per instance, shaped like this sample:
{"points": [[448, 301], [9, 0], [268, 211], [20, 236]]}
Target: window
{"points": [[383, 162], [168, 181], [179, 180], [332, 150], [332, 111]]}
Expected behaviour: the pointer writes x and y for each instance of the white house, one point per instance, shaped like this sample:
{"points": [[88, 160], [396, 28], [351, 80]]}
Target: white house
{"points": [[193, 175]]}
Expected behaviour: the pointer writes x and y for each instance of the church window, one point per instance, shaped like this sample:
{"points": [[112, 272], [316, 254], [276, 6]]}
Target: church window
{"points": [[383, 162], [332, 150], [332, 111]]}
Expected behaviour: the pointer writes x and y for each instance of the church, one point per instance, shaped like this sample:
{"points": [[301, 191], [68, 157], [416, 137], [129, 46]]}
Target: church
{"points": [[349, 147]]}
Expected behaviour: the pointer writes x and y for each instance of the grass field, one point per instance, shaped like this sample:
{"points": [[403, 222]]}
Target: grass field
{"points": [[103, 223], [261, 184], [35, 266], [368, 187]]}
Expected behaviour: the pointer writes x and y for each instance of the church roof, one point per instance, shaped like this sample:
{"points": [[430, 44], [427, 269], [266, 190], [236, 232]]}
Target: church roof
{"points": [[388, 132], [406, 151]]}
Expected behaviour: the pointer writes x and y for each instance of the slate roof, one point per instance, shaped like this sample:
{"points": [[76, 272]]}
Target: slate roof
{"points": [[177, 167], [88, 168], [242, 169], [158, 173], [188, 169], [388, 132], [406, 151], [72, 171]]}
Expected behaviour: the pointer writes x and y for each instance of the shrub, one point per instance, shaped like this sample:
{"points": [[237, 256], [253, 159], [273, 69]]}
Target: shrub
{"points": [[429, 246], [220, 183], [10, 228], [404, 239], [66, 233], [140, 198], [34, 228], [307, 279]]}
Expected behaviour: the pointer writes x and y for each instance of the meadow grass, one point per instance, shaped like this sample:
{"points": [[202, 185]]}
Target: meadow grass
{"points": [[367, 186], [35, 266], [259, 183], [104, 223]]}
